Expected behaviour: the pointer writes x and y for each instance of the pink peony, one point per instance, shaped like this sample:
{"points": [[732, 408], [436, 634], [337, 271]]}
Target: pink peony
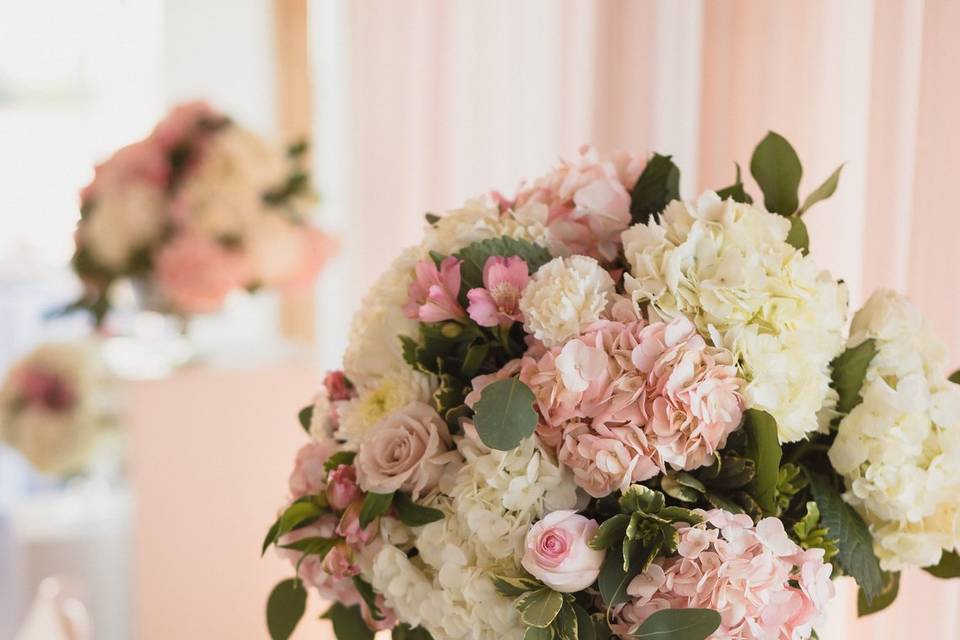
{"points": [[342, 487], [433, 295], [195, 274], [558, 554], [588, 203], [498, 301], [309, 478], [763, 584]]}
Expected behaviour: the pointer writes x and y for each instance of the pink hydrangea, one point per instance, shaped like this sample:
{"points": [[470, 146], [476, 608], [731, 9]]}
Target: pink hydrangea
{"points": [[498, 301], [195, 274], [309, 477], [588, 203], [763, 584], [433, 294]]}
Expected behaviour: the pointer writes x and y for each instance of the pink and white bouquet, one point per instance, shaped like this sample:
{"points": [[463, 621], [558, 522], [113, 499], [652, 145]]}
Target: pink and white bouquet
{"points": [[595, 409], [57, 406], [197, 209]]}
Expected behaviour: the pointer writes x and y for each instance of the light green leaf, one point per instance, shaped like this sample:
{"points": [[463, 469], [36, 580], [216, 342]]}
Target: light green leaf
{"points": [[539, 608], [776, 168], [948, 567], [891, 587], [515, 587], [848, 372], [679, 624], [610, 532], [798, 237], [763, 447], [305, 417], [504, 416], [314, 546], [374, 505], [655, 188], [851, 535], [297, 515], [735, 191], [475, 255], [412, 514], [822, 192], [271, 536], [679, 514], [285, 607], [536, 633], [347, 622], [339, 458]]}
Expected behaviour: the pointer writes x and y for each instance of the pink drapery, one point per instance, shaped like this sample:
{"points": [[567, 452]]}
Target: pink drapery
{"points": [[449, 98]]}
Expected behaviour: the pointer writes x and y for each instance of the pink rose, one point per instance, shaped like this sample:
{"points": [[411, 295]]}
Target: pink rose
{"points": [[195, 274], [558, 554], [433, 294], [498, 301], [349, 526], [342, 487], [309, 477], [406, 451]]}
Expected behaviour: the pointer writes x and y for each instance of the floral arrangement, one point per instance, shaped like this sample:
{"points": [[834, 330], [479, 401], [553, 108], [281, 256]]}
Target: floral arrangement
{"points": [[198, 208], [595, 410], [57, 405]]}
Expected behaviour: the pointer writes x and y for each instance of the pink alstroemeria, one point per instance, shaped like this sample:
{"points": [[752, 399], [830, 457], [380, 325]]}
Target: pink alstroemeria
{"points": [[433, 295], [498, 302]]}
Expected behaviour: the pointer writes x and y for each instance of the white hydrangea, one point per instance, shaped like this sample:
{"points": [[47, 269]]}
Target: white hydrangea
{"points": [[126, 218], [564, 296], [376, 400], [728, 267], [899, 449], [480, 219]]}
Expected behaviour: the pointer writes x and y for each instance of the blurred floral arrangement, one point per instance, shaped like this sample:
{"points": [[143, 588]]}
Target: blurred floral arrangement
{"points": [[58, 405], [595, 409], [197, 209]]}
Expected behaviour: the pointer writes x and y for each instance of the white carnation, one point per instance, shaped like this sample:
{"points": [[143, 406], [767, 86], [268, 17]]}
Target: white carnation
{"points": [[727, 266], [564, 296], [899, 449], [376, 400], [479, 220]]}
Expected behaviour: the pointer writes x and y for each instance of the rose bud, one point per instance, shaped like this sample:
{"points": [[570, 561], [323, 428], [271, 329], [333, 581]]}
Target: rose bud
{"points": [[342, 487], [558, 554]]}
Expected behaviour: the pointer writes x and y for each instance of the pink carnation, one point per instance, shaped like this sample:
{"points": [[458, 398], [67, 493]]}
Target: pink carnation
{"points": [[763, 584], [309, 478], [433, 294], [588, 203], [195, 274], [498, 301]]}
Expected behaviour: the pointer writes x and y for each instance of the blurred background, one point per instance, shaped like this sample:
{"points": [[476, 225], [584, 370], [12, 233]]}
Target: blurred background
{"points": [[411, 107]]}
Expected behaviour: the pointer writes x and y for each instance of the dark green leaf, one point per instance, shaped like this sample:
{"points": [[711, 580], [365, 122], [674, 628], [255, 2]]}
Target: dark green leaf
{"points": [[271, 536], [586, 629], [474, 257], [776, 168], [613, 579], [640, 498], [763, 447], [822, 192], [305, 416], [948, 567], [679, 514], [339, 458], [431, 218], [412, 514], [656, 187], [539, 608], [720, 501], [347, 622], [735, 191], [565, 625], [515, 587], [891, 586], [405, 632], [679, 624], [849, 370], [851, 535], [365, 589], [610, 532], [735, 472], [476, 354], [798, 237], [285, 607], [601, 627], [955, 377], [505, 415], [374, 505]]}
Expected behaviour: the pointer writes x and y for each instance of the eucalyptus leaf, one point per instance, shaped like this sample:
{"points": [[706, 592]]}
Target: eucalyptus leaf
{"points": [[285, 607], [848, 371], [504, 415], [763, 447], [799, 237], [374, 505], [679, 624], [539, 608], [776, 168], [610, 532], [822, 192], [948, 567], [891, 587], [412, 514], [655, 188], [347, 622], [613, 580]]}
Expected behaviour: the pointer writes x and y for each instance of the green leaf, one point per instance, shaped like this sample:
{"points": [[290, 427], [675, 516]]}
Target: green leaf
{"points": [[365, 589], [297, 515], [476, 354], [339, 458], [412, 514], [403, 631], [536, 633], [586, 629], [565, 626], [776, 168], [285, 607], [679, 624], [679, 514], [822, 192], [305, 416], [347, 622], [798, 237], [431, 218], [763, 447], [735, 472], [891, 587], [955, 377], [848, 372], [851, 535], [515, 587], [314, 546], [374, 505], [613, 579], [475, 255], [539, 608], [948, 567], [671, 486], [735, 191], [656, 187], [504, 416], [640, 498], [610, 532], [271, 537]]}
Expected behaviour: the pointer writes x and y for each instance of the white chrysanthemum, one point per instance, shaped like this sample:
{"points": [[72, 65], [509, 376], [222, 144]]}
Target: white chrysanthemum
{"points": [[480, 219], [125, 219], [899, 449], [378, 399], [565, 295], [728, 267], [58, 430]]}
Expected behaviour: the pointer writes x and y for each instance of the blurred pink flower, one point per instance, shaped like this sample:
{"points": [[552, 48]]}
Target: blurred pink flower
{"points": [[44, 389], [144, 161], [763, 584], [309, 478], [342, 487], [195, 274], [338, 387], [181, 123], [498, 301], [433, 295]]}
